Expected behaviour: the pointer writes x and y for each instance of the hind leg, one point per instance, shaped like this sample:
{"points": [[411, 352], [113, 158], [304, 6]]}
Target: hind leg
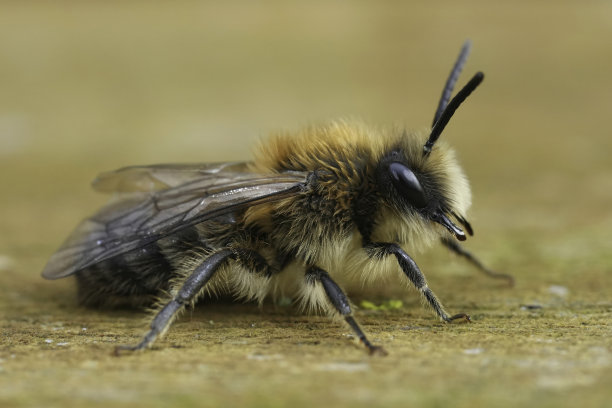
{"points": [[249, 259], [186, 294]]}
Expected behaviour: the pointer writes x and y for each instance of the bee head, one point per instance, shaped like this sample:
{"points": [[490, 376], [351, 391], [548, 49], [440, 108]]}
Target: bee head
{"points": [[429, 182], [433, 188]]}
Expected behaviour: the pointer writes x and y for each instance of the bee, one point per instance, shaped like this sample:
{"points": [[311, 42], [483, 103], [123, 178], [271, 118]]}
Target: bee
{"points": [[314, 211]]}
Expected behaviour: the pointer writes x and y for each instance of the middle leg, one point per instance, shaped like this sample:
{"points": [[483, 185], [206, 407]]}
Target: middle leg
{"points": [[341, 303]]}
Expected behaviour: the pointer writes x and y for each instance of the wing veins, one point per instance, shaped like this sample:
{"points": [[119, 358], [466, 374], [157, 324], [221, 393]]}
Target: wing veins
{"points": [[147, 216], [208, 216]]}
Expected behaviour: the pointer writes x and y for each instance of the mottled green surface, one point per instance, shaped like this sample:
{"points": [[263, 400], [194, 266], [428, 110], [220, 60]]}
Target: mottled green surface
{"points": [[91, 87]]}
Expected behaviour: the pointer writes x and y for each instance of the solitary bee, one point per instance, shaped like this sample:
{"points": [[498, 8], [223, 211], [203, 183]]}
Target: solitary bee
{"points": [[313, 211]]}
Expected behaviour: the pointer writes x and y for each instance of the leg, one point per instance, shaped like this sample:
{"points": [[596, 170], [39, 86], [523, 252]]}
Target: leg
{"points": [[459, 250], [191, 287], [340, 302], [412, 271]]}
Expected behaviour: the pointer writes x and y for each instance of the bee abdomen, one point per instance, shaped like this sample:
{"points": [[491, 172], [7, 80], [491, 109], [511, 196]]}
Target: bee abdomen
{"points": [[136, 278]]}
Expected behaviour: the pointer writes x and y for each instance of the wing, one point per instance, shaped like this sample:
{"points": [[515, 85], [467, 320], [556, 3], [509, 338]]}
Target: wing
{"points": [[142, 218], [163, 176]]}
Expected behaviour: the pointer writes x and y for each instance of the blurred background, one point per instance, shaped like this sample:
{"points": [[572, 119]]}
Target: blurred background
{"points": [[91, 86]]}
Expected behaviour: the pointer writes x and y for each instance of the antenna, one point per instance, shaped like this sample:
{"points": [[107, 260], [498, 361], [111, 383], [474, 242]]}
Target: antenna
{"points": [[452, 80], [447, 109], [450, 111]]}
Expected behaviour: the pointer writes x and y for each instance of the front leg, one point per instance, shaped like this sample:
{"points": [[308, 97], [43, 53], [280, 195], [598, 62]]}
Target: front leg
{"points": [[459, 250], [411, 270]]}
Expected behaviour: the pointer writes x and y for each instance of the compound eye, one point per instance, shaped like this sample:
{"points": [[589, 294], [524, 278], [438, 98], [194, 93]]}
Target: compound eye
{"points": [[407, 184]]}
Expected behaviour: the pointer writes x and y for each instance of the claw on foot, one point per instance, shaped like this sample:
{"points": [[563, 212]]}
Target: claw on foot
{"points": [[377, 351], [461, 316], [120, 350]]}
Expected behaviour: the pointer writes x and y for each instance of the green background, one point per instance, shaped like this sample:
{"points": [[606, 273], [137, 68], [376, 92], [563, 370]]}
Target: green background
{"points": [[92, 86]]}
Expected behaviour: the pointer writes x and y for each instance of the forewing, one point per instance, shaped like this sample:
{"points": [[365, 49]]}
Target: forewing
{"points": [[143, 218], [163, 176]]}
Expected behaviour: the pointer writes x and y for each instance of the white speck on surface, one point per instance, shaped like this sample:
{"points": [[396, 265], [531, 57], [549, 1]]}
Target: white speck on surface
{"points": [[344, 366], [64, 343], [89, 364], [48, 341], [14, 134], [236, 342], [542, 340], [6, 263], [558, 290], [473, 351], [264, 357], [84, 329], [563, 381]]}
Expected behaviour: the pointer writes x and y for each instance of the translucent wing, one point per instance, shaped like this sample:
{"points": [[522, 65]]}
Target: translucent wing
{"points": [[141, 218], [163, 176]]}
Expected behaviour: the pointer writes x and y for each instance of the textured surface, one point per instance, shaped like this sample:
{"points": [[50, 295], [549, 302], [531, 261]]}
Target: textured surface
{"points": [[92, 87]]}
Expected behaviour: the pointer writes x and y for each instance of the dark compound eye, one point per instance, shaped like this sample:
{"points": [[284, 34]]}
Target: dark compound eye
{"points": [[407, 184]]}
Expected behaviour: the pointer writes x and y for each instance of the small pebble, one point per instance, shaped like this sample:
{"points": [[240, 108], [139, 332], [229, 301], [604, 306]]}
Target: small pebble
{"points": [[530, 307], [558, 290]]}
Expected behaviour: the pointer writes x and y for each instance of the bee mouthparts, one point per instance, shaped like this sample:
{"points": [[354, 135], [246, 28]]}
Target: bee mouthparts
{"points": [[443, 220]]}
